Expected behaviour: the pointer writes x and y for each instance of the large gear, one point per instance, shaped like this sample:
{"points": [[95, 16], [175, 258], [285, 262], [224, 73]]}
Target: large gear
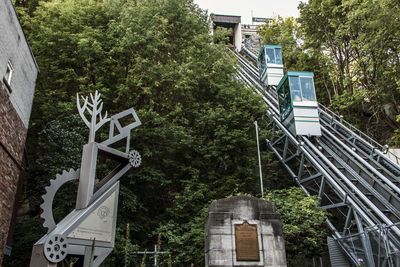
{"points": [[47, 205]]}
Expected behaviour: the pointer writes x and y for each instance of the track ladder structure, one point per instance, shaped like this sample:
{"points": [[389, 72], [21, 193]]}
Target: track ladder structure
{"points": [[347, 170]]}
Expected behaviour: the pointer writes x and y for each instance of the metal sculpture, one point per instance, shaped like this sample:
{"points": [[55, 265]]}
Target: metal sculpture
{"points": [[89, 230]]}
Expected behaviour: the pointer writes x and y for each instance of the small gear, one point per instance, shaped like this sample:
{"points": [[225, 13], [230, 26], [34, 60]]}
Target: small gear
{"points": [[47, 205], [134, 158], [56, 248]]}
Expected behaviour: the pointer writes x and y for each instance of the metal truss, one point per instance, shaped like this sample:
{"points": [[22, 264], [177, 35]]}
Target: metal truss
{"points": [[352, 178]]}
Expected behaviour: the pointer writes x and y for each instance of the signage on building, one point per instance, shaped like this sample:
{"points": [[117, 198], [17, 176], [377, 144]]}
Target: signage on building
{"points": [[255, 19]]}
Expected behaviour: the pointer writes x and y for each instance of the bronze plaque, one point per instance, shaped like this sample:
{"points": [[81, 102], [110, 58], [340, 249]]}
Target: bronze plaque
{"points": [[246, 240]]}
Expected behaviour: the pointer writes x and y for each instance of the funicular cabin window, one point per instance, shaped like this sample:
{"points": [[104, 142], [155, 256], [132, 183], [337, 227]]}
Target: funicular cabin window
{"points": [[295, 89], [270, 55], [274, 55], [307, 89], [302, 89], [262, 62], [285, 104], [278, 55]]}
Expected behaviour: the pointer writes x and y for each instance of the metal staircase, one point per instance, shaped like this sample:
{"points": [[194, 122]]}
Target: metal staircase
{"points": [[349, 173]]}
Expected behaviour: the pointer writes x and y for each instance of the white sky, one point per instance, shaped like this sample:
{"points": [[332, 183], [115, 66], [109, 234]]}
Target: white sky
{"points": [[244, 8]]}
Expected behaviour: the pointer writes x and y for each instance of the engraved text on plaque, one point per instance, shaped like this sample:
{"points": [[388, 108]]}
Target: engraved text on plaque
{"points": [[246, 240]]}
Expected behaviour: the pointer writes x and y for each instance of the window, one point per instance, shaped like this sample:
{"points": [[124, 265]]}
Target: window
{"points": [[270, 55], [278, 55], [295, 88], [262, 63], [302, 89], [274, 55], [285, 105], [8, 76], [307, 89]]}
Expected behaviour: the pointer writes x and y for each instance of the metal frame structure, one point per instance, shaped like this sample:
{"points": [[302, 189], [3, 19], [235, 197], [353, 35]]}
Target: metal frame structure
{"points": [[97, 201], [355, 181]]}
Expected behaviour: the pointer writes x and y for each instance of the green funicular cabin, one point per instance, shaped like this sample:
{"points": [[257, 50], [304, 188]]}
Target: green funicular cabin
{"points": [[298, 104], [270, 64]]}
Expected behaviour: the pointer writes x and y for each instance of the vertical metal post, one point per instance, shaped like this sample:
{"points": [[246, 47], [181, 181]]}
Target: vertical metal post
{"points": [[259, 160], [321, 188], [365, 241], [301, 167], [155, 255], [348, 220], [285, 148]]}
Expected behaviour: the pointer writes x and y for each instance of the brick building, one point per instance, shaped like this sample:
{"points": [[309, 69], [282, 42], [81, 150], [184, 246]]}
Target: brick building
{"points": [[18, 72]]}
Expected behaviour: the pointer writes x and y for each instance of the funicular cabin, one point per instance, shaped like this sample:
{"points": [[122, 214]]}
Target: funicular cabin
{"points": [[270, 64], [298, 104]]}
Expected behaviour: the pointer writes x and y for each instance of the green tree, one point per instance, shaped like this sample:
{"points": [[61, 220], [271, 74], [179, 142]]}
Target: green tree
{"points": [[360, 39], [304, 226]]}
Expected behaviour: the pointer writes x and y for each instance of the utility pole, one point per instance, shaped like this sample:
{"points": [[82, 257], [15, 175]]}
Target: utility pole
{"points": [[259, 160]]}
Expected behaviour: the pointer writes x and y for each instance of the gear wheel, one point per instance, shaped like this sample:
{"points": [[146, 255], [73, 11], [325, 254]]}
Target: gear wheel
{"points": [[56, 248], [134, 158], [47, 205]]}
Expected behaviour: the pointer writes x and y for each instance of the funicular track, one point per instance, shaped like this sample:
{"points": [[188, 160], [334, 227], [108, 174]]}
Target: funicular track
{"points": [[349, 173]]}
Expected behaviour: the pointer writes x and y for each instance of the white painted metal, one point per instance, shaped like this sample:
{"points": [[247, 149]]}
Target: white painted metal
{"points": [[259, 160], [89, 230]]}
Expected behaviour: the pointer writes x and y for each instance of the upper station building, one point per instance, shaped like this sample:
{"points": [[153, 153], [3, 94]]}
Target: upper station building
{"points": [[18, 72], [230, 22]]}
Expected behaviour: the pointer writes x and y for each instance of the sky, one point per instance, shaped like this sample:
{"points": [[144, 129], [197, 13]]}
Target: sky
{"points": [[245, 8]]}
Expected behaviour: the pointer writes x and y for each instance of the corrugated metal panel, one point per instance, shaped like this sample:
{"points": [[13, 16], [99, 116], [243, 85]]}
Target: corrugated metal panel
{"points": [[336, 254]]}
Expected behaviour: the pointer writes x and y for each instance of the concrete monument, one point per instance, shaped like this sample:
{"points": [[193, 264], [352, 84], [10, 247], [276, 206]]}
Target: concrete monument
{"points": [[243, 231]]}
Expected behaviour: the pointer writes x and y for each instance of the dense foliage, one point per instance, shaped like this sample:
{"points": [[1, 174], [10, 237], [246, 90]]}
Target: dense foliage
{"points": [[302, 220]]}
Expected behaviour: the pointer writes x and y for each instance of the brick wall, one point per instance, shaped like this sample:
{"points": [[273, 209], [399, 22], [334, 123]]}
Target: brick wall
{"points": [[12, 142]]}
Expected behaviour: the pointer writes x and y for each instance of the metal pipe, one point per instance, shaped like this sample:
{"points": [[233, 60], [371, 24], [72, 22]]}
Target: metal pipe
{"points": [[360, 159], [259, 160]]}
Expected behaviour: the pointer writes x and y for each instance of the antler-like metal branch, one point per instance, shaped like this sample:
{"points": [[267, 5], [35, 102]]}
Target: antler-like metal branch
{"points": [[81, 109], [96, 108]]}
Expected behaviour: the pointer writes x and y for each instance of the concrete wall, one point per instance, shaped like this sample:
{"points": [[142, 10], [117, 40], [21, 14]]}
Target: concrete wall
{"points": [[14, 47], [237, 35], [394, 155], [15, 109], [224, 214]]}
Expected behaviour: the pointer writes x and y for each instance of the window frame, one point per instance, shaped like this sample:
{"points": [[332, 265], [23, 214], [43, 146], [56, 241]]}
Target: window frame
{"points": [[284, 99], [276, 58], [312, 89], [300, 90], [7, 78]]}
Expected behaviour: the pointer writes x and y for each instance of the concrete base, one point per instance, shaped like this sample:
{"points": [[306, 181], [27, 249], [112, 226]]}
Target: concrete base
{"points": [[224, 214]]}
